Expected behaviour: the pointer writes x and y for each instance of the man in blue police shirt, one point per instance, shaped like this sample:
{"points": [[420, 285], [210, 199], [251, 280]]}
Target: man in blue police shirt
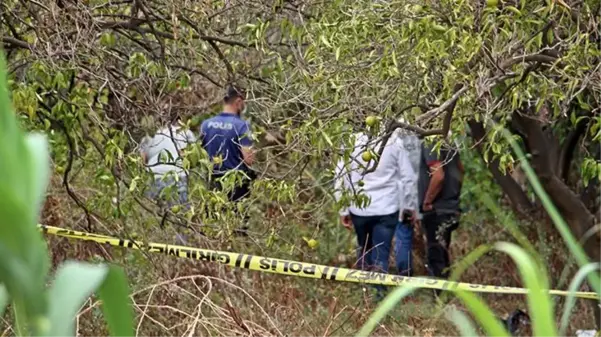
{"points": [[227, 139]]}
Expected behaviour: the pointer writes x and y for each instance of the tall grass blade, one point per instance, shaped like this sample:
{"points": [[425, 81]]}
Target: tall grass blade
{"points": [[462, 322], [508, 223], [4, 299], [571, 299], [539, 301], [116, 306], [388, 304], [460, 267], [490, 323]]}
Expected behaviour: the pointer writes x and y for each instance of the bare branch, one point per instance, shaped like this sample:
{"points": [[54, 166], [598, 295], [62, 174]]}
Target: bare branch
{"points": [[527, 58], [431, 114], [16, 43]]}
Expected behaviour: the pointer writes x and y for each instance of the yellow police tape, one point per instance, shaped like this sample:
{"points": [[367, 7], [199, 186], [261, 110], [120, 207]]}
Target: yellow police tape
{"points": [[294, 268]]}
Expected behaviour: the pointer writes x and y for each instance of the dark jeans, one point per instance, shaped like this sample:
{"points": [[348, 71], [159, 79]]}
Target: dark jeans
{"points": [[168, 192], [403, 243], [239, 192], [439, 228], [374, 239]]}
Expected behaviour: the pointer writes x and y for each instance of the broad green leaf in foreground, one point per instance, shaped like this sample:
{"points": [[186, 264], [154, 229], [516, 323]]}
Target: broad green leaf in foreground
{"points": [[116, 306], [540, 306], [4, 298], [25, 262], [74, 283], [38, 177], [39, 170], [25, 293]]}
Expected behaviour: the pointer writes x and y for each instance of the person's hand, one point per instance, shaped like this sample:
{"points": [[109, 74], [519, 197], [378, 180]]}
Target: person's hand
{"points": [[346, 221], [427, 207], [413, 215]]}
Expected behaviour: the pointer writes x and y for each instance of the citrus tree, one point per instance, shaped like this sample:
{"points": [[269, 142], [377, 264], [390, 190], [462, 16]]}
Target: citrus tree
{"points": [[469, 67], [99, 75]]}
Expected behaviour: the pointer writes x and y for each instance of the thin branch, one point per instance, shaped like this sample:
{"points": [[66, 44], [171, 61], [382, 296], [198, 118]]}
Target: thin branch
{"points": [[428, 116], [448, 117], [16, 43], [142, 30], [528, 58]]}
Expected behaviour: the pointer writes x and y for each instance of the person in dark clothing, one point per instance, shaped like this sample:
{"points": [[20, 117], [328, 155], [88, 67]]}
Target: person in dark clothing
{"points": [[227, 140], [439, 187]]}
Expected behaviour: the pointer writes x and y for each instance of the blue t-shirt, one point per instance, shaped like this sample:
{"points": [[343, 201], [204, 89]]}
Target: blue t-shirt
{"points": [[222, 137]]}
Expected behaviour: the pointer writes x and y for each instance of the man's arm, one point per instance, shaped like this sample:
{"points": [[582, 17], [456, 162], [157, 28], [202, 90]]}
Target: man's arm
{"points": [[436, 178], [246, 143]]}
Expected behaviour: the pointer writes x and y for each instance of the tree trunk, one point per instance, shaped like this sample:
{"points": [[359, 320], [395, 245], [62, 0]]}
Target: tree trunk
{"points": [[551, 167], [519, 200]]}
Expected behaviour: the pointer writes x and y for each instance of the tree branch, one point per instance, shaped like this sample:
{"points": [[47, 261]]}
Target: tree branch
{"points": [[569, 204], [519, 200], [11, 41], [135, 26], [431, 114], [446, 122], [527, 58]]}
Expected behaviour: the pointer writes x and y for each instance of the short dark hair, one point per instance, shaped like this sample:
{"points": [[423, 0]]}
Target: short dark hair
{"points": [[232, 93]]}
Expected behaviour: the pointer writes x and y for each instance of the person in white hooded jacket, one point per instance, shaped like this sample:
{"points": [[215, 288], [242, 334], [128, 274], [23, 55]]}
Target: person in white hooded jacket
{"points": [[387, 188], [403, 236]]}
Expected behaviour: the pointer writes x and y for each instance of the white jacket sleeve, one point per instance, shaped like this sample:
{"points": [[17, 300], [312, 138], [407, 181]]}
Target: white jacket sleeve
{"points": [[408, 180]]}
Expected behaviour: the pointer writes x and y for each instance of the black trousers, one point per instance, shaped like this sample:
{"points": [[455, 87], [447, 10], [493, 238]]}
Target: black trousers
{"points": [[439, 228], [240, 191]]}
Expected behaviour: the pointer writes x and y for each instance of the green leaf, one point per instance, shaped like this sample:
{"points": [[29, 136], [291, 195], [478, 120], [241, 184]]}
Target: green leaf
{"points": [[325, 41], [388, 304], [483, 314], [74, 283], [17, 230], [39, 170], [4, 298], [16, 277], [535, 279], [116, 306]]}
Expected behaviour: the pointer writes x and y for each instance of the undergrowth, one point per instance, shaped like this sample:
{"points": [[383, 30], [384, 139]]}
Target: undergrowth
{"points": [[180, 297]]}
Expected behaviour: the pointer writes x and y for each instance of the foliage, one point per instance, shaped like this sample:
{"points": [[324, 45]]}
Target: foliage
{"points": [[24, 264]]}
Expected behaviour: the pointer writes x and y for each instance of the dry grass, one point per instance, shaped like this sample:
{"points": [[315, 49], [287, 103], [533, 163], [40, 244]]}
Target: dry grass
{"points": [[178, 297]]}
